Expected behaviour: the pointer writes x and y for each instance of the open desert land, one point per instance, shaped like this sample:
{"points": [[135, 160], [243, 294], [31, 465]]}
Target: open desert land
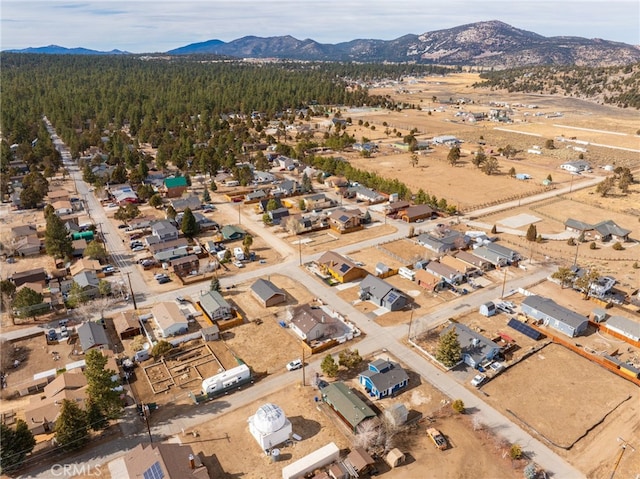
{"points": [[592, 405], [466, 186]]}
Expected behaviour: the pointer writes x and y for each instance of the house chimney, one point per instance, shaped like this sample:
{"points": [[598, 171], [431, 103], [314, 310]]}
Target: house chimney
{"points": [[192, 461]]}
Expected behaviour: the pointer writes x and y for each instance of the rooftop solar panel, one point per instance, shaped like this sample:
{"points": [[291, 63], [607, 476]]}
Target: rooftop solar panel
{"points": [[524, 329]]}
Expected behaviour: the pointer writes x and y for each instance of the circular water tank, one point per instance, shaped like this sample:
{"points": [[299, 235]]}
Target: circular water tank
{"points": [[275, 455], [269, 418]]}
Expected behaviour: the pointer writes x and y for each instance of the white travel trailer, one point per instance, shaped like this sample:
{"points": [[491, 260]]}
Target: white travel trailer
{"points": [[226, 380]]}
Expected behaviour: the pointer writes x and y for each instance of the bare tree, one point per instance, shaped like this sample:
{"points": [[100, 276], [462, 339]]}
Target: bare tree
{"points": [[366, 434]]}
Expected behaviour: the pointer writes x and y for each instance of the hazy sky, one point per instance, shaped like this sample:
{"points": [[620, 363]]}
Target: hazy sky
{"points": [[141, 26]]}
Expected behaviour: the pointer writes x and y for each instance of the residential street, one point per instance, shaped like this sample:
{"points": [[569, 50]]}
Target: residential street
{"points": [[376, 339]]}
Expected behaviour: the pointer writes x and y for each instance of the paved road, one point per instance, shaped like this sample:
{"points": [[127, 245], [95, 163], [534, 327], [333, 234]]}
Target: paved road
{"points": [[377, 339]]}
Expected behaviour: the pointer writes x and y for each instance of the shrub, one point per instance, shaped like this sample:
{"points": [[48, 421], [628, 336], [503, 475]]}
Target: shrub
{"points": [[515, 452], [571, 242], [458, 406], [592, 245], [618, 246]]}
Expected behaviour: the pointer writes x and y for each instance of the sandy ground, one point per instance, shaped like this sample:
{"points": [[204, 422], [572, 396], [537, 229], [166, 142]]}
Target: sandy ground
{"points": [[230, 451], [608, 404]]}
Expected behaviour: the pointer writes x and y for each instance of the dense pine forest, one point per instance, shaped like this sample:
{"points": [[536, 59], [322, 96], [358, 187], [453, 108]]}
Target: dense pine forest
{"points": [[199, 112], [619, 85]]}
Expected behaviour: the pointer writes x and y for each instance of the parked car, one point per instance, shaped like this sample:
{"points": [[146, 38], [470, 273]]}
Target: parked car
{"points": [[164, 280], [295, 364], [160, 276], [52, 335], [181, 300], [64, 332], [478, 379], [122, 226], [238, 264], [137, 248]]}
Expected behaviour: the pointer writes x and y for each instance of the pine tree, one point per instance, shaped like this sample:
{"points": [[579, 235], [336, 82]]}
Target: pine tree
{"points": [[206, 197], [95, 250], [189, 225], [15, 444], [215, 284], [56, 239], [95, 417], [449, 352], [72, 427], [100, 386], [532, 232], [28, 302], [329, 366]]}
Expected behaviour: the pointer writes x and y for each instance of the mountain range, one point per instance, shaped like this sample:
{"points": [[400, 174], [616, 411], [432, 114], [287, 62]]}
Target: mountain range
{"points": [[488, 44]]}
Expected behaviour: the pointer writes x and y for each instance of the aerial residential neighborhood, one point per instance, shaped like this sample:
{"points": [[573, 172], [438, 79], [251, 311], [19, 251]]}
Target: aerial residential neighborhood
{"points": [[334, 290]]}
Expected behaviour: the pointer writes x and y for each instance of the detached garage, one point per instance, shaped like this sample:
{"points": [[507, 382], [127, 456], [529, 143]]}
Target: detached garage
{"points": [[268, 293]]}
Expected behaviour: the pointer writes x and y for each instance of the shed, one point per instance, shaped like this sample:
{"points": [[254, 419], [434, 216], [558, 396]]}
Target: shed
{"points": [[212, 333], [268, 293], [599, 315], [487, 309], [361, 460], [394, 457], [396, 414]]}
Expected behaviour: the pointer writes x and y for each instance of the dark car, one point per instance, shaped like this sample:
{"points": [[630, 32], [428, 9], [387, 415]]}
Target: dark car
{"points": [[164, 280], [52, 335]]}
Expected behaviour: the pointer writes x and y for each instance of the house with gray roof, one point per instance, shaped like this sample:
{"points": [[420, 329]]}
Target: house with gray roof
{"points": [[286, 188], [381, 293], [315, 324], [576, 166], [383, 378], [555, 316], [473, 260], [475, 348], [92, 335], [255, 195], [215, 306], [278, 214], [603, 231], [192, 202], [492, 257], [88, 282], [164, 230], [624, 326], [365, 194], [510, 255], [267, 293], [444, 272], [443, 243]]}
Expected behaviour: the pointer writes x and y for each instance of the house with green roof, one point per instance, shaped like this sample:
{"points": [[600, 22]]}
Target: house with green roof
{"points": [[232, 233], [174, 187], [347, 404]]}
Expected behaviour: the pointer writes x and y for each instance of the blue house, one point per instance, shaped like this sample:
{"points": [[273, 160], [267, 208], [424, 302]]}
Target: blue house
{"points": [[383, 378]]}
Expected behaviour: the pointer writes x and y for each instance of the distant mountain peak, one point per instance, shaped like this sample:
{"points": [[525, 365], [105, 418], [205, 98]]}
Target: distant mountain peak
{"points": [[491, 43]]}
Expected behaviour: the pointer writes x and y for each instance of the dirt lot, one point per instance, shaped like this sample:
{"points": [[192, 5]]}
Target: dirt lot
{"points": [[230, 451], [607, 403]]}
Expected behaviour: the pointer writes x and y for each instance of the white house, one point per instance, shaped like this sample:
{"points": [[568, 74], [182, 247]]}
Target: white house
{"points": [[169, 320], [576, 166]]}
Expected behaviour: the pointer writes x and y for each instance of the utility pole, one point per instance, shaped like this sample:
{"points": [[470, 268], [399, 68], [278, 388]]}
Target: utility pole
{"points": [[625, 444], [504, 282], [133, 296], [300, 250]]}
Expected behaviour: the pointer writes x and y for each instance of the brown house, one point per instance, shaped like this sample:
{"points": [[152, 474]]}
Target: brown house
{"points": [[343, 220], [166, 461], [416, 212], [427, 280], [340, 267], [36, 275], [185, 265], [127, 324]]}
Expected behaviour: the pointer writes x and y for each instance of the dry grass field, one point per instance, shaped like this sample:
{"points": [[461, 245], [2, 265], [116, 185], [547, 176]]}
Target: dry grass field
{"points": [[608, 404], [230, 450]]}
